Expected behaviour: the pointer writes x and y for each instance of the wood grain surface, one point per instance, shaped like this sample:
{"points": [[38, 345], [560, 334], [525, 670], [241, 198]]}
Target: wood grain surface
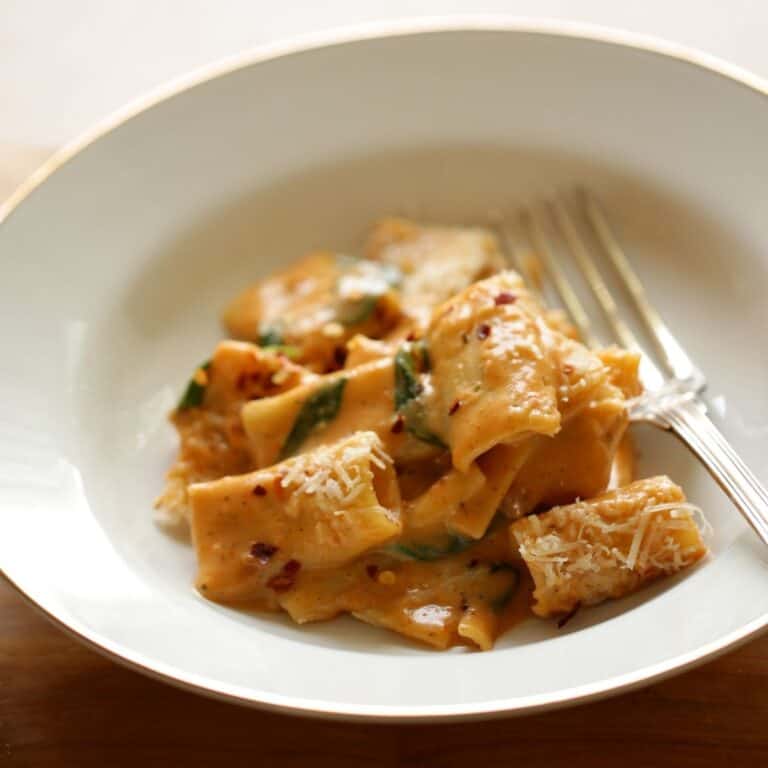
{"points": [[62, 704]]}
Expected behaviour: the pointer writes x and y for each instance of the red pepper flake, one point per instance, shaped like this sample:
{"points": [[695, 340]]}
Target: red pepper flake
{"points": [[286, 578], [411, 336], [262, 551], [340, 356], [483, 331], [568, 616], [259, 490], [372, 570], [455, 407], [465, 338], [473, 563], [567, 369], [505, 297], [397, 426]]}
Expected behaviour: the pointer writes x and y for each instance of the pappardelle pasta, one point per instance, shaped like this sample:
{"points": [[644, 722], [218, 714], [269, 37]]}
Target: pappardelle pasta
{"points": [[411, 438]]}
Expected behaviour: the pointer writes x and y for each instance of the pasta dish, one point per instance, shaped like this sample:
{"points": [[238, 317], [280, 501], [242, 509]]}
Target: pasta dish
{"points": [[412, 438]]}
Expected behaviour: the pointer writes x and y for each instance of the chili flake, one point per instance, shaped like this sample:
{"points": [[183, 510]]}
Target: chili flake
{"points": [[568, 616], [455, 407], [372, 570], [286, 578], [340, 356], [262, 551], [483, 331], [259, 490], [505, 297]]}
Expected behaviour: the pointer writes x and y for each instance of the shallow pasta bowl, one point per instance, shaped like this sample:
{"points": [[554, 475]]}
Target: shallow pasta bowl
{"points": [[118, 255]]}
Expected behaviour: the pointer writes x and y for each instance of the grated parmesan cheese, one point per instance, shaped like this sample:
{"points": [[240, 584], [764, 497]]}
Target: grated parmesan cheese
{"points": [[608, 546], [335, 475]]}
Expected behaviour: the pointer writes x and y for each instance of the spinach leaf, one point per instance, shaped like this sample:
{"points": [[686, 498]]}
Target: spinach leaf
{"points": [[270, 336], [194, 393], [372, 280], [407, 390], [318, 409], [500, 602], [414, 418], [407, 386], [359, 311], [430, 552]]}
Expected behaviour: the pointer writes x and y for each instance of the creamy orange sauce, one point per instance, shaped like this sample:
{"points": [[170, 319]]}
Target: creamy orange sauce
{"points": [[316, 305], [394, 440]]}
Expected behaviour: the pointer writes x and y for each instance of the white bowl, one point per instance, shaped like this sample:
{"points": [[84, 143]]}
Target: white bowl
{"points": [[115, 266]]}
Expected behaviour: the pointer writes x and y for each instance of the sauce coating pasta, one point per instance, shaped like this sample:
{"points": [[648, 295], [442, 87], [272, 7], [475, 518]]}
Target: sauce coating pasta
{"points": [[412, 439]]}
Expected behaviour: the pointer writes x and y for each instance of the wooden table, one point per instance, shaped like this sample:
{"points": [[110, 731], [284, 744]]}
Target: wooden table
{"points": [[63, 705]]}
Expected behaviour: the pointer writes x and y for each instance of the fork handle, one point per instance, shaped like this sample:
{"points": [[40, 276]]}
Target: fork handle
{"points": [[687, 419]]}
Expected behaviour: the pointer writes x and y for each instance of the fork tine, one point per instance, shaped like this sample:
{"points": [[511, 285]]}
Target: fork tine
{"points": [[567, 295], [650, 373], [513, 256], [589, 269], [672, 354]]}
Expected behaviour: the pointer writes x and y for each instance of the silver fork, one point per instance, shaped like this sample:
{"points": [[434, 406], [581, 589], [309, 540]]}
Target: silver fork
{"points": [[673, 390]]}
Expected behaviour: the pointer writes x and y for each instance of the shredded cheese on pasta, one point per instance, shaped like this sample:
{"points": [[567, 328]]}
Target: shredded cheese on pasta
{"points": [[334, 475], [652, 546]]}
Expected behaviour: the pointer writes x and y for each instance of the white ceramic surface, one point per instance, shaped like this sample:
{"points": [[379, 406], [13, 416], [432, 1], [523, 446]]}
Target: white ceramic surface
{"points": [[114, 269], [52, 90]]}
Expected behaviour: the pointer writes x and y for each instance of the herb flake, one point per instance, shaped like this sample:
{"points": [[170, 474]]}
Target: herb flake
{"points": [[270, 336], [428, 552], [415, 425], [499, 603], [194, 394], [357, 312], [372, 281], [318, 409], [407, 391], [407, 386]]}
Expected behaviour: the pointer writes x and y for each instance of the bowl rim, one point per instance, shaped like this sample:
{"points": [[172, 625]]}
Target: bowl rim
{"points": [[370, 31], [331, 38]]}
